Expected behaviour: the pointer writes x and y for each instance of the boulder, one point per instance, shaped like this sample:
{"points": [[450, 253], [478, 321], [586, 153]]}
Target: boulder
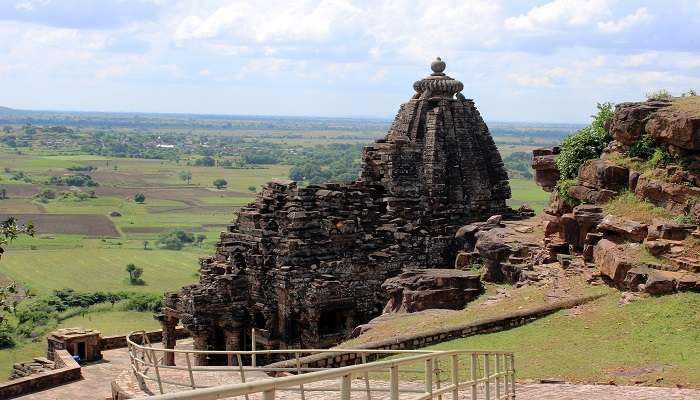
{"points": [[629, 121], [611, 260], [603, 174], [546, 172], [632, 180], [589, 195], [632, 230], [657, 247], [676, 127], [674, 231], [418, 290]]}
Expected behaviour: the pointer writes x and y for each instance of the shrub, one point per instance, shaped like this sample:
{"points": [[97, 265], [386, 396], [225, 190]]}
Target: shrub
{"points": [[45, 195], [139, 198], [644, 147], [585, 144], [682, 219], [7, 336], [562, 189], [206, 161], [251, 188], [135, 274], [175, 240], [661, 94], [220, 183], [144, 302]]}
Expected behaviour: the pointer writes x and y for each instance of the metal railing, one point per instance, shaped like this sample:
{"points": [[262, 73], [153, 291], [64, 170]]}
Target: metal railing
{"points": [[405, 374]]}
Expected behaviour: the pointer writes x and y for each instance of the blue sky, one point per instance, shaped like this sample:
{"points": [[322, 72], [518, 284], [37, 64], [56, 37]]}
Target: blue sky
{"points": [[547, 61]]}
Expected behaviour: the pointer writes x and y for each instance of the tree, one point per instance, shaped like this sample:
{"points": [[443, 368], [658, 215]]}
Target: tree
{"points": [[3, 194], [134, 274], [145, 244], [199, 239], [186, 176], [251, 188], [9, 231], [139, 198], [220, 183], [175, 240]]}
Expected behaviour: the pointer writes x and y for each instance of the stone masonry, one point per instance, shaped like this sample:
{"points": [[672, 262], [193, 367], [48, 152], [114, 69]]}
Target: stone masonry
{"points": [[305, 265]]}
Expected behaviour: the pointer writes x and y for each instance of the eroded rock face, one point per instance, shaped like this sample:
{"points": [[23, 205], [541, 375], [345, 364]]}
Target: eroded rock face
{"points": [[611, 260], [676, 127], [630, 119], [546, 173], [306, 265], [603, 174], [419, 290]]}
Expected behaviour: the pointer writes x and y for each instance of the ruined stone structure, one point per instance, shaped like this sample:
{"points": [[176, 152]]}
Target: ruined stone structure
{"points": [[304, 266]]}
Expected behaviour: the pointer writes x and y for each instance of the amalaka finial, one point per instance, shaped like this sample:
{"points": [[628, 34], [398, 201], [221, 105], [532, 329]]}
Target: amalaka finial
{"points": [[438, 66]]}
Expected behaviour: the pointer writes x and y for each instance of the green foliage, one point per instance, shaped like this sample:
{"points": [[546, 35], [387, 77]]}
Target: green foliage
{"points": [[518, 164], [331, 163], [185, 176], [135, 274], [140, 198], [45, 195], [220, 183], [251, 188], [81, 168], [585, 144], [206, 161], [144, 302], [682, 219], [7, 336], [562, 189], [175, 240], [644, 147], [661, 94], [9, 231], [78, 180]]}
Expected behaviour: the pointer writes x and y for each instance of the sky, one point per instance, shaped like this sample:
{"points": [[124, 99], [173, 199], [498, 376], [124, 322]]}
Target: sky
{"points": [[545, 61]]}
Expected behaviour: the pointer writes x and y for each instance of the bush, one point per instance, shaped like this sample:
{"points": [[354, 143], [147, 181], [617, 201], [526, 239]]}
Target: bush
{"points": [[78, 180], [139, 198], [220, 183], [644, 147], [585, 144], [205, 162], [144, 302], [682, 219], [45, 195], [7, 336], [175, 240], [562, 189], [661, 94]]}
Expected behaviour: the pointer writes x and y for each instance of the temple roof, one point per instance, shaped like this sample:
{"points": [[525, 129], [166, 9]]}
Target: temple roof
{"points": [[437, 84]]}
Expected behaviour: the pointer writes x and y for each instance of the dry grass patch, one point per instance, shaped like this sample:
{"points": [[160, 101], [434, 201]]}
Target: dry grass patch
{"points": [[627, 205], [689, 104]]}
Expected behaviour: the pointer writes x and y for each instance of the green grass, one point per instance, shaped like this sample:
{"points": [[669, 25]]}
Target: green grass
{"points": [[89, 269], [603, 342], [525, 191]]}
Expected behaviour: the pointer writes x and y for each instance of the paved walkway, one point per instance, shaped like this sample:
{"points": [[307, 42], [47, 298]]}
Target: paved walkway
{"points": [[97, 378]]}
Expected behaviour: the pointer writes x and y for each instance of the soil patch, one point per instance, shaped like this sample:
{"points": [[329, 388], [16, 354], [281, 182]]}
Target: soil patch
{"points": [[81, 224]]}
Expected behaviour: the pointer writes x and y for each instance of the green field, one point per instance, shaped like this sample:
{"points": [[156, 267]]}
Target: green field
{"points": [[527, 192]]}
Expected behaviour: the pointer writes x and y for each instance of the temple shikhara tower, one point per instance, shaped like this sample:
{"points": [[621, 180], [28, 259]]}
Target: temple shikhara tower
{"points": [[305, 265]]}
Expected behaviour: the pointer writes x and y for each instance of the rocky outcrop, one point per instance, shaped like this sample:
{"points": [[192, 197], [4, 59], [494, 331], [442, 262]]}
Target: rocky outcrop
{"points": [[676, 127], [419, 290], [543, 163], [614, 243], [630, 119]]}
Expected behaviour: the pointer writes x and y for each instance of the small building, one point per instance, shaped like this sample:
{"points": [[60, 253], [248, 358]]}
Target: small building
{"points": [[81, 342]]}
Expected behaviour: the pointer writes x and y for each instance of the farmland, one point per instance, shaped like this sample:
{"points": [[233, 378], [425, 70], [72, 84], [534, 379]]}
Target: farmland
{"points": [[87, 235]]}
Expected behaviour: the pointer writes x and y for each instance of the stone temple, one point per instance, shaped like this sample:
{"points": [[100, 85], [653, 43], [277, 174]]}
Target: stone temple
{"points": [[305, 265]]}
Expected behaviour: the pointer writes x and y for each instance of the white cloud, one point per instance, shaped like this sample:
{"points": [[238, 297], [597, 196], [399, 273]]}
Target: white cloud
{"points": [[626, 22], [639, 59], [559, 13]]}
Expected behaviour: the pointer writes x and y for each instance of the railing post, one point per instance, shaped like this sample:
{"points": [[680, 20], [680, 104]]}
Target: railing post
{"points": [[506, 380], [345, 384], [366, 376], [155, 366], [394, 383], [252, 347], [189, 369], [455, 376], [301, 385], [436, 368], [487, 376], [269, 394], [498, 376], [512, 371], [429, 376], [475, 362]]}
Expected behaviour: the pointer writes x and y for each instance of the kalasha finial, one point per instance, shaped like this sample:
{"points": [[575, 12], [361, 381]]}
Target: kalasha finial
{"points": [[438, 66]]}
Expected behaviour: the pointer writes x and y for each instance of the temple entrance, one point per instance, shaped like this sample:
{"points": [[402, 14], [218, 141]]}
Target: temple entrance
{"points": [[217, 342]]}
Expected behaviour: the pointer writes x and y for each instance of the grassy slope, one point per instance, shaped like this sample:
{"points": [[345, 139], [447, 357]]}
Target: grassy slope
{"points": [[527, 192], [603, 342]]}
